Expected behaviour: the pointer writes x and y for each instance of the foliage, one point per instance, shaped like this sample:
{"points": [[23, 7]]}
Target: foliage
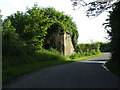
{"points": [[104, 47], [94, 8], [113, 28], [54, 30], [25, 34], [38, 56], [80, 56], [87, 47], [13, 72], [38, 26], [60, 23], [30, 26], [10, 42], [86, 50]]}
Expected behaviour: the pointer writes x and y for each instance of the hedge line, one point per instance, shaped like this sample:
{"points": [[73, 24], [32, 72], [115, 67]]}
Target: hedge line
{"points": [[86, 50]]}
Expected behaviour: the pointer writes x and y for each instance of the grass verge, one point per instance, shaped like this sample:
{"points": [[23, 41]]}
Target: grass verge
{"points": [[84, 57], [13, 72]]}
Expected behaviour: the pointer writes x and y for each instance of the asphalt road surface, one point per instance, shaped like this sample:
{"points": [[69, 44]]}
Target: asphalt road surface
{"points": [[81, 74]]}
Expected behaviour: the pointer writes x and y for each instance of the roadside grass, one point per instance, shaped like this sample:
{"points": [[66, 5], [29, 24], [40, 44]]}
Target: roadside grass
{"points": [[80, 55], [17, 66], [13, 72], [114, 67], [84, 57]]}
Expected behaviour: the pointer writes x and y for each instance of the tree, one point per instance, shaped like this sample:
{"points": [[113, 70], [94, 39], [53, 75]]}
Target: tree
{"points": [[60, 23], [38, 26], [31, 26], [95, 8], [10, 40], [112, 26], [114, 32]]}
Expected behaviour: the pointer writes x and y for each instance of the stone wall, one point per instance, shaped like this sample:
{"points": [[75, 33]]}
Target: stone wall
{"points": [[68, 46], [64, 43]]}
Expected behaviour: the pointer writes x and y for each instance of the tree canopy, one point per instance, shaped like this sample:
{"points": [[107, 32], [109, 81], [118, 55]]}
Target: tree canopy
{"points": [[37, 25], [112, 25], [95, 8]]}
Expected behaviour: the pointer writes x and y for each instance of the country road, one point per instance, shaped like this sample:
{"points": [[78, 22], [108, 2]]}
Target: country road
{"points": [[80, 74]]}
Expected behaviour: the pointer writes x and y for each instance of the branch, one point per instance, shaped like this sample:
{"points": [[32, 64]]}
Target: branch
{"points": [[94, 8]]}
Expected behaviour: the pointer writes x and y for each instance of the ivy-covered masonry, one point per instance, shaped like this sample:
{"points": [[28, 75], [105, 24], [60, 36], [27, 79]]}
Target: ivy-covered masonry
{"points": [[38, 27]]}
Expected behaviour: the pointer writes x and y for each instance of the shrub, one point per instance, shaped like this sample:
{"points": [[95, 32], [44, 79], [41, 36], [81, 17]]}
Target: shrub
{"points": [[104, 47], [39, 56], [86, 50]]}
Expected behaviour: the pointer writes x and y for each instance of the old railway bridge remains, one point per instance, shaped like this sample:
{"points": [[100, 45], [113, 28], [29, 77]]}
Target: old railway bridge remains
{"points": [[64, 42]]}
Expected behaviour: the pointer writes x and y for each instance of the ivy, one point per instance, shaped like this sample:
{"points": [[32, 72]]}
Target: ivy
{"points": [[37, 25]]}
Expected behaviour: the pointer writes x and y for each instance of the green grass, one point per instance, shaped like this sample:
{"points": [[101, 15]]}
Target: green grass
{"points": [[14, 72], [83, 57], [17, 68], [13, 66]]}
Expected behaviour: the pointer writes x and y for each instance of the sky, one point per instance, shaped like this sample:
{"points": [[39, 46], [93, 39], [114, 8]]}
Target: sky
{"points": [[90, 29]]}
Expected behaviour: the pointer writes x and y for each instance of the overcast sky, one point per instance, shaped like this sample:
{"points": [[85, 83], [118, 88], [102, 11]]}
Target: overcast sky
{"points": [[89, 29]]}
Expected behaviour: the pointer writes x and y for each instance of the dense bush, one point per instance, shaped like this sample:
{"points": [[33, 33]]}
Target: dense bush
{"points": [[11, 43], [104, 47], [38, 26], [86, 50], [25, 34], [31, 26], [87, 47], [38, 56]]}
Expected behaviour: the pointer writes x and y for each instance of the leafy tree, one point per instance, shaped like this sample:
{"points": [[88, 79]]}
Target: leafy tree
{"points": [[31, 26], [114, 32], [112, 26], [18, 20], [64, 22], [104, 47], [95, 8], [10, 41], [38, 26]]}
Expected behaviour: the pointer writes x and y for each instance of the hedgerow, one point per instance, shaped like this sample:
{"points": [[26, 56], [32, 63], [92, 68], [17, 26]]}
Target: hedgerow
{"points": [[86, 50]]}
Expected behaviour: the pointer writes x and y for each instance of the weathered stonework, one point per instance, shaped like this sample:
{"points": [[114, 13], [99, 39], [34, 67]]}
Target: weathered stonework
{"points": [[64, 43]]}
